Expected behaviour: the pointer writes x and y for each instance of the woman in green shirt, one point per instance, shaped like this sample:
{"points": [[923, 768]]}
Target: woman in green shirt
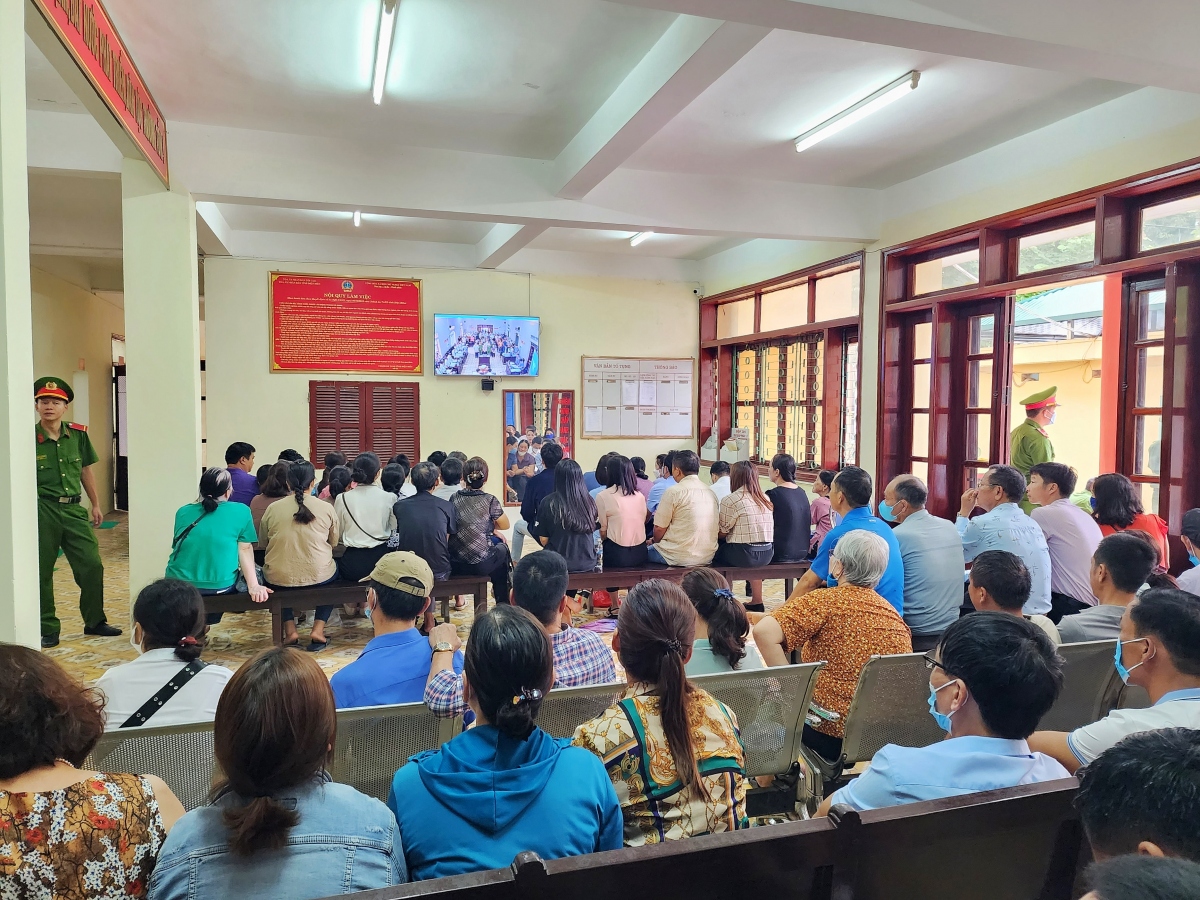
{"points": [[213, 540]]}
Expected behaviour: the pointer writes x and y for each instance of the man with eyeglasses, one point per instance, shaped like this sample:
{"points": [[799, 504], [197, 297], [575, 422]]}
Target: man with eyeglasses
{"points": [[1004, 526], [991, 679], [1159, 650]]}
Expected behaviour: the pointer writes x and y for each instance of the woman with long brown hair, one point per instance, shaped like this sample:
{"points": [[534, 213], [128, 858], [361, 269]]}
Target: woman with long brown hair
{"points": [[276, 824], [721, 626], [662, 709], [746, 528]]}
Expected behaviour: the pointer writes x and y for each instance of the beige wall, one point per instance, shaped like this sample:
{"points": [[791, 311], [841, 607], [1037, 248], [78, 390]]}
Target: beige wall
{"points": [[579, 316], [69, 323]]}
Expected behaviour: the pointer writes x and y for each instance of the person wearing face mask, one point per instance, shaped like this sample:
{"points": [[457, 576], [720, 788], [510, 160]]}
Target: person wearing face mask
{"points": [[1189, 534], [168, 684], [1029, 444], [991, 679], [1158, 650]]}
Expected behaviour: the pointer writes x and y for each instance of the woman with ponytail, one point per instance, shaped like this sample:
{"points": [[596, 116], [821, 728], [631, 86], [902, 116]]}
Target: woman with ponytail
{"points": [[476, 548], [169, 632], [213, 541], [297, 535], [663, 711], [276, 824], [504, 786], [721, 626]]}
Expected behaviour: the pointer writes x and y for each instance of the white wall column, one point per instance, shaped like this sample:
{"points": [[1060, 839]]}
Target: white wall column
{"points": [[18, 503], [162, 352]]}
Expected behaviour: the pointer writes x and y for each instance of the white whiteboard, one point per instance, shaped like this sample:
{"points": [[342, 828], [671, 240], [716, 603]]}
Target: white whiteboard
{"points": [[631, 398]]}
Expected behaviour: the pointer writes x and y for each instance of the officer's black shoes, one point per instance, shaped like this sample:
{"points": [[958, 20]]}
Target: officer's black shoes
{"points": [[103, 630], [49, 640]]}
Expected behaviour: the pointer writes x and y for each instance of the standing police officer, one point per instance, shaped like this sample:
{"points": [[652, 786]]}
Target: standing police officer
{"points": [[1029, 444], [64, 457]]}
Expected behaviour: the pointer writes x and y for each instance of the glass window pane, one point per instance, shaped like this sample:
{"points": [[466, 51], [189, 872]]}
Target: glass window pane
{"points": [[850, 405], [744, 375], [972, 477], [955, 270], [920, 468], [982, 334], [1147, 444], [735, 319], [1149, 376], [1067, 246], [837, 296], [979, 437], [745, 419], [784, 309], [1148, 492], [920, 434], [921, 385], [1152, 314], [979, 382], [923, 340], [1177, 222]]}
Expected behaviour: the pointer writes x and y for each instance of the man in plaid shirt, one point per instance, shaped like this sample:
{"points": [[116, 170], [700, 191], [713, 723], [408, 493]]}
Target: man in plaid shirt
{"points": [[539, 586]]}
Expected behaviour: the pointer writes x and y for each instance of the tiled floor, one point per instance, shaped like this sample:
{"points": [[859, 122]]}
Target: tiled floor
{"points": [[232, 642]]}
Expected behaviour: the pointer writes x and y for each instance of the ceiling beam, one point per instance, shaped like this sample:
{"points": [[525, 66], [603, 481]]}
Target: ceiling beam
{"points": [[213, 233], [502, 242], [948, 40], [692, 54]]}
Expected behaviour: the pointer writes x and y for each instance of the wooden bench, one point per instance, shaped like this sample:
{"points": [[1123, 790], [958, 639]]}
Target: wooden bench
{"points": [[342, 592], [627, 578]]}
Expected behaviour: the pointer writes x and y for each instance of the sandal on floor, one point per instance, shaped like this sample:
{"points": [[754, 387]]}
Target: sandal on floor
{"points": [[316, 646], [295, 643]]}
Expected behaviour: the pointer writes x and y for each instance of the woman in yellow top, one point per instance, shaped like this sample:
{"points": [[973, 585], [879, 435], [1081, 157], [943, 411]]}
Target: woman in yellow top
{"points": [[672, 750]]}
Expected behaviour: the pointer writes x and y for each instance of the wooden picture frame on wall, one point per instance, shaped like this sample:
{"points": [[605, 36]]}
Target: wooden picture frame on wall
{"points": [[640, 379]]}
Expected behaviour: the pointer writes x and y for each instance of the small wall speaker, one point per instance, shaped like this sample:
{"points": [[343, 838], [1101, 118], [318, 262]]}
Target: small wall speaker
{"points": [[488, 384]]}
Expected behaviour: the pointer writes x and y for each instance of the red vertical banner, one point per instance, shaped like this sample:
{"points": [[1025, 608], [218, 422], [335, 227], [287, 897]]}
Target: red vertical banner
{"points": [[328, 324]]}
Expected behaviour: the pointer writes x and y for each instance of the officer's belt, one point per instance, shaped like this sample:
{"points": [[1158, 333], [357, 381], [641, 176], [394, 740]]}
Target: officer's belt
{"points": [[73, 499]]}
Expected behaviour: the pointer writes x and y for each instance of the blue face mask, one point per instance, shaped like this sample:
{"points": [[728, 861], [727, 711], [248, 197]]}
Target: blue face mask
{"points": [[1193, 559], [1121, 670], [885, 512], [943, 719], [1092, 503]]}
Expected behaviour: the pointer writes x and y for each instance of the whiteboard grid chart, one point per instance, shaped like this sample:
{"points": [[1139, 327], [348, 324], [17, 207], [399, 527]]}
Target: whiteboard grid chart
{"points": [[634, 397]]}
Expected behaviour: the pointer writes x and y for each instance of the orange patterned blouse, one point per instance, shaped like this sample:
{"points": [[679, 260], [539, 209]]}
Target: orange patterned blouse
{"points": [[99, 837], [845, 626]]}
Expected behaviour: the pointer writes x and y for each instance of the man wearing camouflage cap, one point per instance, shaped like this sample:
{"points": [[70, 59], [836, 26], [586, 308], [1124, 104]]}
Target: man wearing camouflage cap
{"points": [[64, 458], [1029, 443]]}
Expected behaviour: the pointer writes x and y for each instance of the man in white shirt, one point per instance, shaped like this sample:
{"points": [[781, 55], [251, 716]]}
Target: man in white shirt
{"points": [[719, 476], [1071, 536], [1190, 535], [1159, 650], [1120, 566], [687, 518], [451, 478]]}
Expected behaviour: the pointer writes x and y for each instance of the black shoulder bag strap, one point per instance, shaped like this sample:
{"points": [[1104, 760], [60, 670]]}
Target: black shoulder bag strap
{"points": [[350, 512], [179, 538], [165, 693]]}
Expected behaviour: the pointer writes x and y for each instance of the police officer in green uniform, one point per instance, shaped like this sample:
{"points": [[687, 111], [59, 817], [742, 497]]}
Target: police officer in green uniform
{"points": [[64, 455], [1029, 444]]}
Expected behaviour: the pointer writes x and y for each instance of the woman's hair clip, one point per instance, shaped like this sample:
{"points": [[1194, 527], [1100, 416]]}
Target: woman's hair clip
{"points": [[527, 695], [188, 641], [723, 594], [673, 646]]}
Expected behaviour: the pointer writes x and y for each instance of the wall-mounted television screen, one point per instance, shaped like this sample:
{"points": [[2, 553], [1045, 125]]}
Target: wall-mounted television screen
{"points": [[485, 345]]}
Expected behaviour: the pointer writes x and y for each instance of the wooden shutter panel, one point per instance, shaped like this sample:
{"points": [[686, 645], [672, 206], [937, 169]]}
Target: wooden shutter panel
{"points": [[395, 420], [335, 418]]}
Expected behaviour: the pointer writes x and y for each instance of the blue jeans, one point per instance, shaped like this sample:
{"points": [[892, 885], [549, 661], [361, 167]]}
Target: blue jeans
{"points": [[652, 555]]}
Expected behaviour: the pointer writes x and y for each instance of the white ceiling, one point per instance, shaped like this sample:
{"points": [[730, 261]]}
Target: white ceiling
{"points": [[340, 223]]}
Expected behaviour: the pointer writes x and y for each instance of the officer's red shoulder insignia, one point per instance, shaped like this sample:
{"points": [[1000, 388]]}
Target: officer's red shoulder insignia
{"points": [[77, 426], [41, 438]]}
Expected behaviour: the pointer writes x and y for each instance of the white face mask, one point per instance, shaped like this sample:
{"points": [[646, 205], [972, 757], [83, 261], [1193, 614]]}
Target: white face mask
{"points": [[135, 639]]}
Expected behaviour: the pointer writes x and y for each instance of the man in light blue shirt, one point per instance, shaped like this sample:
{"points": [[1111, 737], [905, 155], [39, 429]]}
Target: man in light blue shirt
{"points": [[992, 678], [664, 481], [1004, 526], [932, 553], [850, 497]]}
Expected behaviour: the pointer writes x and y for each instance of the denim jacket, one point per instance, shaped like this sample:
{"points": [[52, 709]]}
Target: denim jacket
{"points": [[345, 842]]}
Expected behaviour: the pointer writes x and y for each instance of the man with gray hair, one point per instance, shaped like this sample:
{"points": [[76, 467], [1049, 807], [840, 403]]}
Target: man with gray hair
{"points": [[933, 563]]}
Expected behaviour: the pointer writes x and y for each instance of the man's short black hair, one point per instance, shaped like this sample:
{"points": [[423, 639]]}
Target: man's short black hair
{"points": [[1144, 788], [552, 454], [719, 468], [1004, 576], [290, 455], [855, 484], [1010, 667], [686, 462], [400, 605], [540, 583], [1190, 527], [1057, 473], [668, 460], [437, 457], [424, 476], [238, 451], [1141, 877], [911, 490], [452, 471], [1009, 480], [1129, 558], [1172, 617]]}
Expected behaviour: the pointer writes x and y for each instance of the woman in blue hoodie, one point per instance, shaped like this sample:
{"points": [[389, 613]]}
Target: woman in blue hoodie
{"points": [[505, 786]]}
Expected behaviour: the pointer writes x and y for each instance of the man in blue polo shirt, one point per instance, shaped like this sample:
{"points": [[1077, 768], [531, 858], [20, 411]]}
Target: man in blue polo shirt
{"points": [[992, 678], [394, 666], [850, 498]]}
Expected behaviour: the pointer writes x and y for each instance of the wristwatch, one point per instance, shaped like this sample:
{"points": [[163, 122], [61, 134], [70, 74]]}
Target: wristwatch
{"points": [[442, 647]]}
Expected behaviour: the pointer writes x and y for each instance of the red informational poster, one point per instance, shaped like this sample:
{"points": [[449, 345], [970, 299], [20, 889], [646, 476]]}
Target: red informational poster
{"points": [[328, 324]]}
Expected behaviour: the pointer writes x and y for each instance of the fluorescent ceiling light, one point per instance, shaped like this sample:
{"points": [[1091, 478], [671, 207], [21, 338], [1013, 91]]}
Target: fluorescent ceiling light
{"points": [[357, 218], [639, 237], [383, 47], [885, 96]]}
